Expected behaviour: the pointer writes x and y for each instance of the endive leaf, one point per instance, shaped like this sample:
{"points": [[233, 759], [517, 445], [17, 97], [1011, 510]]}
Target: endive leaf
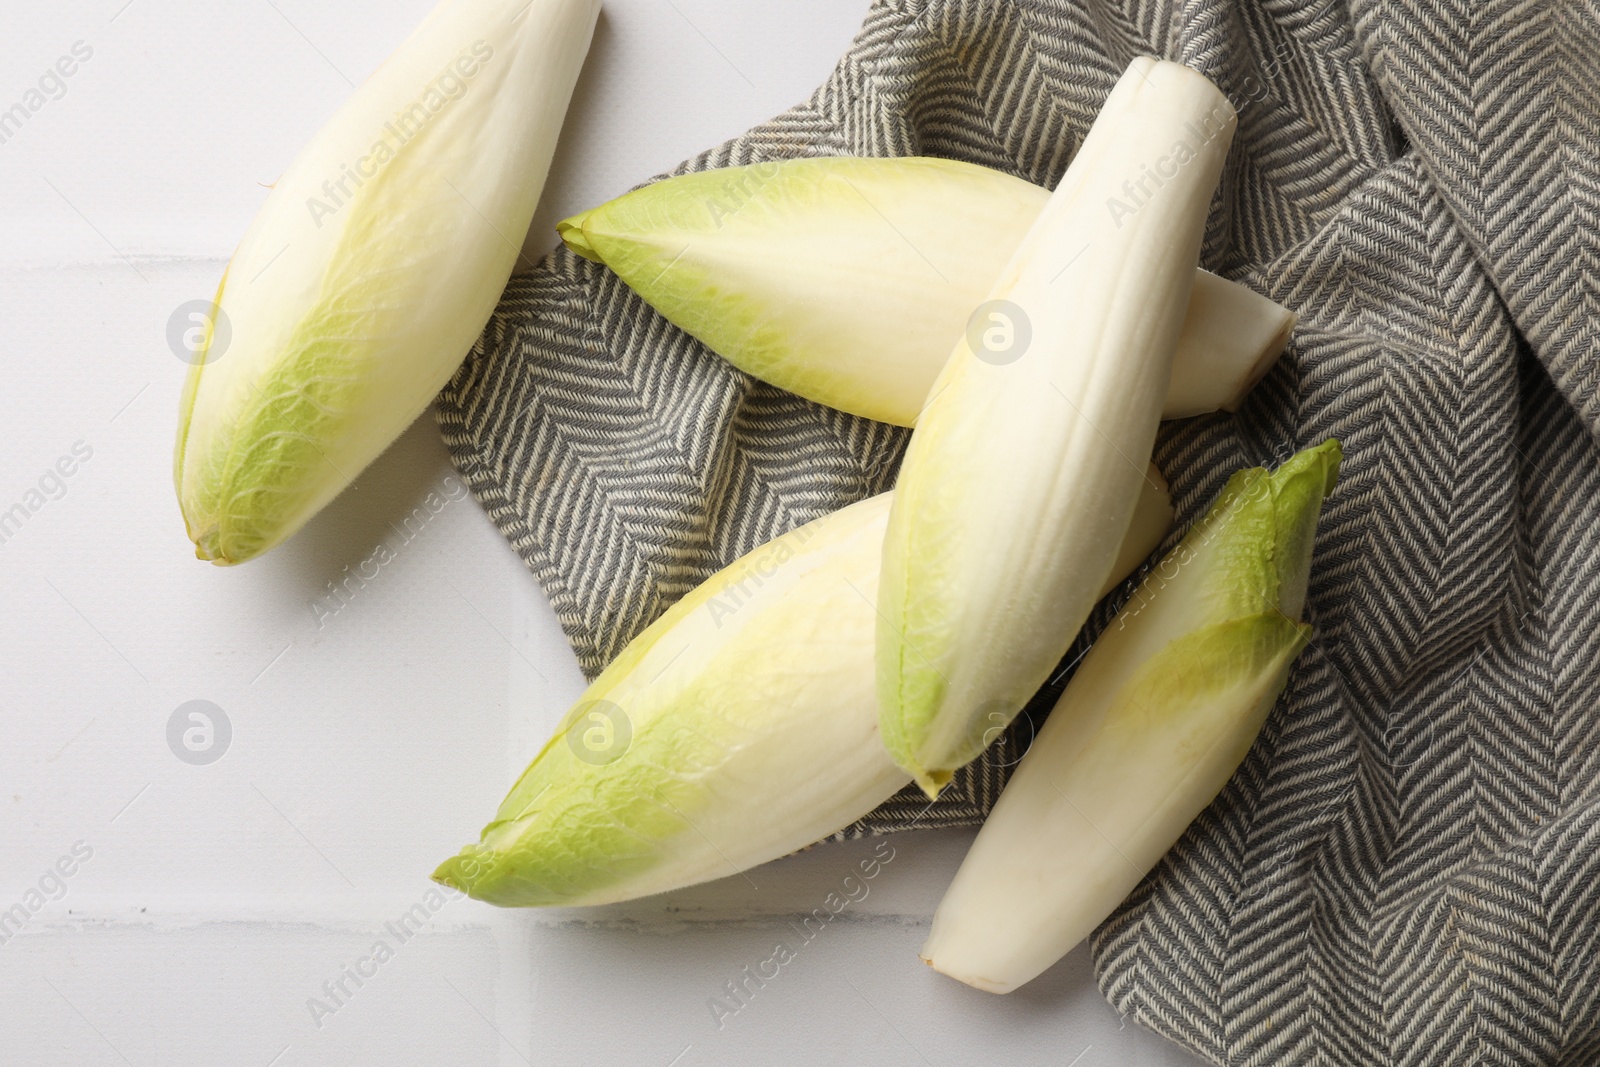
{"points": [[1020, 478], [738, 727], [1159, 715], [372, 267], [846, 280]]}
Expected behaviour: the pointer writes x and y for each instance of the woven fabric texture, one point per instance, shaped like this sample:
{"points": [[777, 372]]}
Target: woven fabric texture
{"points": [[1406, 869]]}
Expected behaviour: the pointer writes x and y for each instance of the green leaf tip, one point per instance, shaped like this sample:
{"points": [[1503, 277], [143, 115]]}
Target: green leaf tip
{"points": [[572, 235], [1319, 463], [1262, 528], [1299, 486]]}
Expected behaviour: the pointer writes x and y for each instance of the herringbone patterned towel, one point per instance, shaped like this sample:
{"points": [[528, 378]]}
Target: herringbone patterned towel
{"points": [[1407, 868]]}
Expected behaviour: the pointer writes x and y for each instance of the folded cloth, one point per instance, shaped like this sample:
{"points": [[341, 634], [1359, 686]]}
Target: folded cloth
{"points": [[1406, 869]]}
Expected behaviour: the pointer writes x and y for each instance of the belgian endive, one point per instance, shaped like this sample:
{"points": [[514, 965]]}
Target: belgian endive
{"points": [[1022, 474], [372, 267], [739, 727], [1159, 715], [847, 280]]}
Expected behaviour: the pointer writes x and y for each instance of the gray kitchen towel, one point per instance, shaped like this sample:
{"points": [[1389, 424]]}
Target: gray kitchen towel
{"points": [[1406, 869]]}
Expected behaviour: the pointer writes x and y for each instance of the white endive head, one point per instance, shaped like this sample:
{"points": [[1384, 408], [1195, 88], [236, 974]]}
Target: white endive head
{"points": [[1156, 719], [739, 727], [1026, 463], [847, 280], [372, 267]]}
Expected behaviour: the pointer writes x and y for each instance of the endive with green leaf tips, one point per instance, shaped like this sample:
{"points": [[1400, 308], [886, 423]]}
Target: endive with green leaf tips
{"points": [[737, 728], [1021, 476], [372, 267], [847, 280], [1157, 718]]}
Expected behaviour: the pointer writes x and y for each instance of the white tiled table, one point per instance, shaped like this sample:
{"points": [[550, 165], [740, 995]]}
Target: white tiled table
{"points": [[216, 901]]}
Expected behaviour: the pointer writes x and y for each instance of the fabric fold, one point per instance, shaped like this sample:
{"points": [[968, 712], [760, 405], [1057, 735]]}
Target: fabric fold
{"points": [[1406, 869]]}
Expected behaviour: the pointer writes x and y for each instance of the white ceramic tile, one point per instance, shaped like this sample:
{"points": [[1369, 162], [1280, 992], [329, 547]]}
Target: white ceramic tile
{"points": [[207, 905]]}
